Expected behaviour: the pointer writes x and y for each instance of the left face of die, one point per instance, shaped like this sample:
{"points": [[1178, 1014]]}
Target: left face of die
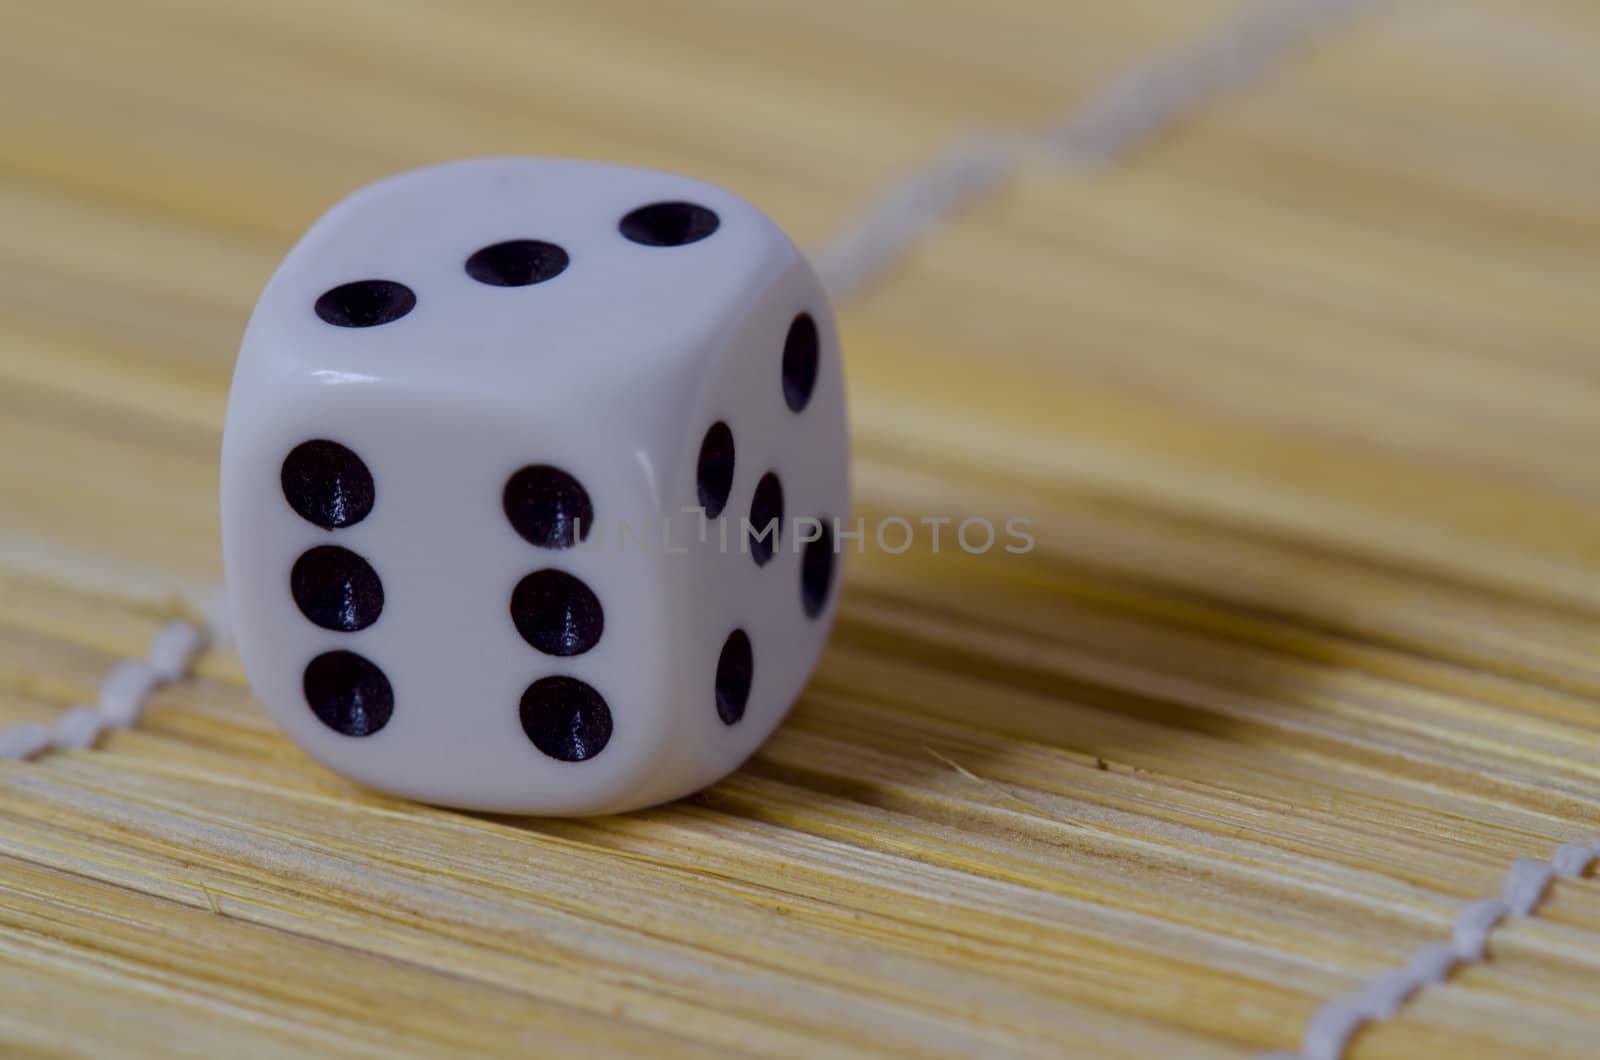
{"points": [[421, 602]]}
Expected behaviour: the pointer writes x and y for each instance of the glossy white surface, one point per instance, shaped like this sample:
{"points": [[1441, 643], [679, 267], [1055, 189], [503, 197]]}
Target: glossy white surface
{"points": [[612, 371]]}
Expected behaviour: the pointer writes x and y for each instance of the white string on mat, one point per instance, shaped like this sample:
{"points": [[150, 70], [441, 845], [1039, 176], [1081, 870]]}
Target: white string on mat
{"points": [[123, 695], [1133, 109], [1327, 1035]]}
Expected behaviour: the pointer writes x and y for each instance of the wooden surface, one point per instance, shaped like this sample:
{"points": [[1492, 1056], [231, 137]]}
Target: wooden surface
{"points": [[1304, 403]]}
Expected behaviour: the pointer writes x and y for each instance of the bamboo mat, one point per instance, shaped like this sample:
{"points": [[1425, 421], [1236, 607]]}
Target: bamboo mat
{"points": [[1303, 402]]}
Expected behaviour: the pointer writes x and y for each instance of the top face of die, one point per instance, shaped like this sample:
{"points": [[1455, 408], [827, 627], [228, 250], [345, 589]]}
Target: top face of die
{"points": [[472, 275]]}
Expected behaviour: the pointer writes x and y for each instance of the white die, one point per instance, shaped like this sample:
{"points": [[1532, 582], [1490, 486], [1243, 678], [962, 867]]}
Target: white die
{"points": [[472, 417]]}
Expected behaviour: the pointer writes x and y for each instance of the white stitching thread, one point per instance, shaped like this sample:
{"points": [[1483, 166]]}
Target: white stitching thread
{"points": [[1329, 1031], [1137, 106], [125, 690]]}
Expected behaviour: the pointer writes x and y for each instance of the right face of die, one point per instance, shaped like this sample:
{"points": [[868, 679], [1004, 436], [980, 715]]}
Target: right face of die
{"points": [[456, 385]]}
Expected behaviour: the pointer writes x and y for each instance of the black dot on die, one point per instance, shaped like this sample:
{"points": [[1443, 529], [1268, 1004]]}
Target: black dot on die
{"points": [[517, 263], [548, 507], [366, 303], [327, 484], [566, 718], [766, 518], [816, 572], [669, 224], [715, 471], [735, 672], [557, 613], [349, 694], [801, 351], [336, 589]]}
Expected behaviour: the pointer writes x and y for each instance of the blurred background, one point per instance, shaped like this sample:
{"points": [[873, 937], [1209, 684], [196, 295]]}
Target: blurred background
{"points": [[1302, 398]]}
